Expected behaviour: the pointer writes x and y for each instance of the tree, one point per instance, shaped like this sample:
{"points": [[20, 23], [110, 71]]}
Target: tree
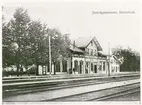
{"points": [[38, 43], [38, 34], [25, 42], [59, 45], [8, 50], [131, 58], [19, 27]]}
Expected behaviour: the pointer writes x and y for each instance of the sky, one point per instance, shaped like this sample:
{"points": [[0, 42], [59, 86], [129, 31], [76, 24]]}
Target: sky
{"points": [[76, 18]]}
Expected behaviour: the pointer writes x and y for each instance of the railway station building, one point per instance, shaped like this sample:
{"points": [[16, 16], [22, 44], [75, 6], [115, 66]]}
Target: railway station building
{"points": [[86, 57]]}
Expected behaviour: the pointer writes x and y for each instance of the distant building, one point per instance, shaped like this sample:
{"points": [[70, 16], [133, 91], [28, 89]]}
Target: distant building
{"points": [[87, 57], [114, 64]]}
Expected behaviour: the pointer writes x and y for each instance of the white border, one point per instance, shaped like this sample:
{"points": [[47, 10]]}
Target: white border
{"points": [[60, 103]]}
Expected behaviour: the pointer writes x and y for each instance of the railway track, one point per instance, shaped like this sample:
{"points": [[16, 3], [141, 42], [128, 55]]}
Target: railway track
{"points": [[32, 82], [44, 78], [30, 88], [122, 93], [80, 93], [101, 95]]}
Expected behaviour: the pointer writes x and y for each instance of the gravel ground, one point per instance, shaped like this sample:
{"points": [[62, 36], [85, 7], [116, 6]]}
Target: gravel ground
{"points": [[128, 97], [92, 95]]}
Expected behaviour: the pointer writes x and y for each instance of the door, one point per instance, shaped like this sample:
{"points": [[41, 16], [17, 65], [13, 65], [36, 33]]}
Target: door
{"points": [[81, 67], [95, 68]]}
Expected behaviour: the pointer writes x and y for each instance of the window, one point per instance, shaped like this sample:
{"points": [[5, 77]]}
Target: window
{"points": [[87, 64], [91, 43], [91, 66], [100, 66], [87, 50], [112, 69], [91, 51], [95, 52], [104, 66]]}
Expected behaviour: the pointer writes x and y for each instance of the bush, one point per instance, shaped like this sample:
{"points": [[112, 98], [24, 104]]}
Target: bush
{"points": [[31, 71]]}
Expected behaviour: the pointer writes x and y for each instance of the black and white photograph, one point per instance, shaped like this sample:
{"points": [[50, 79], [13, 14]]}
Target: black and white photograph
{"points": [[71, 51]]}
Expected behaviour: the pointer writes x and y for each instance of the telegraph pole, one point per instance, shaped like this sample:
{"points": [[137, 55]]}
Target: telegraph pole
{"points": [[109, 59], [50, 68]]}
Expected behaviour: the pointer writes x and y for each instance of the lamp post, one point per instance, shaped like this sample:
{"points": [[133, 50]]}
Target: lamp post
{"points": [[49, 46], [109, 59], [50, 68]]}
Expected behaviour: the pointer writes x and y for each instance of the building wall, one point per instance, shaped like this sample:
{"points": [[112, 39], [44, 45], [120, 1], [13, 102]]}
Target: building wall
{"points": [[86, 65], [89, 65], [114, 65], [92, 49]]}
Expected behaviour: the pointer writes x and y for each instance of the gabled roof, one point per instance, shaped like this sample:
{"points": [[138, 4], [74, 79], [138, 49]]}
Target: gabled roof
{"points": [[102, 53], [84, 42], [75, 49]]}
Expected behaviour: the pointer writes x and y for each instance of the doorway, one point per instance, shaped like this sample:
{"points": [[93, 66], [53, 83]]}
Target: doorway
{"points": [[95, 68]]}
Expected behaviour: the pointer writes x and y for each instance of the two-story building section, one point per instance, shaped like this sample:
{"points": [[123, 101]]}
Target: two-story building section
{"points": [[87, 57]]}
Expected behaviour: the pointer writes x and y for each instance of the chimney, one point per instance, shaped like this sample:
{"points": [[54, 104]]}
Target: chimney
{"points": [[74, 44]]}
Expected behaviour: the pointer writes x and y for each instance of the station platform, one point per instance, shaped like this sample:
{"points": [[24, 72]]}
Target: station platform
{"points": [[62, 76]]}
